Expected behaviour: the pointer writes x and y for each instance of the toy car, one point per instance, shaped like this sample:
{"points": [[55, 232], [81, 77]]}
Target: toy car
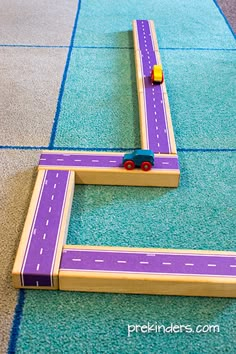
{"points": [[157, 75], [139, 158]]}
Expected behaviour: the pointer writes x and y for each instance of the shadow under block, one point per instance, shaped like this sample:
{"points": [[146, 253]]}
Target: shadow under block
{"points": [[45, 230], [106, 169], [148, 271]]}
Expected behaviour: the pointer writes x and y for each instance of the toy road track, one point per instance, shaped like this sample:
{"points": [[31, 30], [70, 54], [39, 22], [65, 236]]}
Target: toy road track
{"points": [[149, 263], [155, 116], [44, 262], [148, 271], [101, 161]]}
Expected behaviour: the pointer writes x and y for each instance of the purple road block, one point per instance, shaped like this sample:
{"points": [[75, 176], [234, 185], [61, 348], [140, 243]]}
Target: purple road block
{"points": [[155, 111], [41, 249], [81, 160], [148, 263]]}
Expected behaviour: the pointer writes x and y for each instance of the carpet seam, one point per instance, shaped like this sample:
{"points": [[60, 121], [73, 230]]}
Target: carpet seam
{"points": [[225, 18], [61, 91]]}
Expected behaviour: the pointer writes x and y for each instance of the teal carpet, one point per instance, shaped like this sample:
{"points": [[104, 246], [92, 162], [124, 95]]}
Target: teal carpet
{"points": [[98, 109]]}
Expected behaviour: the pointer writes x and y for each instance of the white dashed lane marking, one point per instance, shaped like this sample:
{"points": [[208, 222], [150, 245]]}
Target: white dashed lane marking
{"points": [[144, 262]]}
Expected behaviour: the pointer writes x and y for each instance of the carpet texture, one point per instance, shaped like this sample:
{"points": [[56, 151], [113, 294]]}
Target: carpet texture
{"points": [[30, 82], [68, 82]]}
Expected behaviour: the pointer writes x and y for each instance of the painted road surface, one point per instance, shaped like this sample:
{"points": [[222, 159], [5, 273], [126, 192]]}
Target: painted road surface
{"points": [[148, 263], [157, 133], [41, 249], [106, 161]]}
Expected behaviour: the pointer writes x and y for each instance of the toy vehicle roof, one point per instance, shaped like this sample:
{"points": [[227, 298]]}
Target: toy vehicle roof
{"points": [[143, 152]]}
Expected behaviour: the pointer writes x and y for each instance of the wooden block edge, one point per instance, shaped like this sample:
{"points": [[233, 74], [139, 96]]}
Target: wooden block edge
{"points": [[16, 271], [147, 284]]}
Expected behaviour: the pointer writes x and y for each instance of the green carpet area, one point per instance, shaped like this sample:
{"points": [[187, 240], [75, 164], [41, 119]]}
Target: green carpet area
{"points": [[179, 23], [67, 322], [100, 96], [100, 104], [201, 90], [99, 109], [200, 214]]}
